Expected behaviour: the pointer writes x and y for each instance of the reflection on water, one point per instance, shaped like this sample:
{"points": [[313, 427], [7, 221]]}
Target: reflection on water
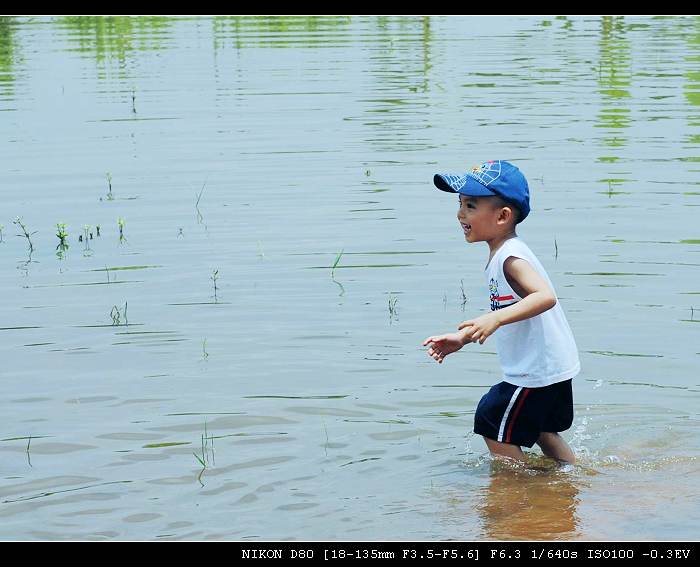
{"points": [[522, 503], [115, 36]]}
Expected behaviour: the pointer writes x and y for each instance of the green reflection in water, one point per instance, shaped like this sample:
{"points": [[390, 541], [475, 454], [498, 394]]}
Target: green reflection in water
{"points": [[692, 75], [115, 37], [7, 55], [614, 79], [279, 31]]}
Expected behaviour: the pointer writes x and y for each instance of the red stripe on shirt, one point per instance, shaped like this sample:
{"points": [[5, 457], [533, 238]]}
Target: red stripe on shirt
{"points": [[504, 297], [525, 392]]}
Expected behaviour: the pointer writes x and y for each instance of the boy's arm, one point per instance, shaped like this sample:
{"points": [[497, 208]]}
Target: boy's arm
{"points": [[537, 296]]}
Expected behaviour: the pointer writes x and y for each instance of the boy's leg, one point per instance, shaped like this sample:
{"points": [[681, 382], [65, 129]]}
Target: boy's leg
{"points": [[505, 450], [554, 446]]}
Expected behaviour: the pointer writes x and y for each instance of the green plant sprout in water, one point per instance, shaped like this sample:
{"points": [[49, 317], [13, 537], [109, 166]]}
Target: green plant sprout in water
{"points": [[214, 277], [86, 237], [110, 197], [335, 264], [2, 226], [200, 218], [205, 354], [207, 455], [120, 223], [62, 235], [117, 315], [464, 295], [392, 307], [25, 233]]}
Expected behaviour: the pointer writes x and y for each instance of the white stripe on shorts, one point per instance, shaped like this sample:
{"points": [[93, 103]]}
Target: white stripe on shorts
{"points": [[505, 416]]}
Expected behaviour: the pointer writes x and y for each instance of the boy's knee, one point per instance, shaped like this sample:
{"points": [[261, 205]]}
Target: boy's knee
{"points": [[553, 445], [504, 449]]}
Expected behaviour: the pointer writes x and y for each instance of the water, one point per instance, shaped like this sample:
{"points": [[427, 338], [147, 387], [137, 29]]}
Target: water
{"points": [[262, 148]]}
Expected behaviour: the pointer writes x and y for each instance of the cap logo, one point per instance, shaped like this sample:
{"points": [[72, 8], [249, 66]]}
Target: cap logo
{"points": [[456, 181], [487, 172]]}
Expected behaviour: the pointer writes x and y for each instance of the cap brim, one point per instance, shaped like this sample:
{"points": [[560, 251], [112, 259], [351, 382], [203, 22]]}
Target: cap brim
{"points": [[462, 184]]}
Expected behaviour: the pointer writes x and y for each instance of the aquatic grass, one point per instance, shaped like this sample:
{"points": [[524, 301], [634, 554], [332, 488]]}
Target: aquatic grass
{"points": [[86, 237], [214, 277], [25, 232], [556, 249], [170, 444], [393, 313], [207, 455], [205, 354], [62, 235], [200, 218], [2, 226], [325, 447], [120, 224], [133, 100], [29, 458], [464, 295], [110, 196], [117, 315], [335, 264]]}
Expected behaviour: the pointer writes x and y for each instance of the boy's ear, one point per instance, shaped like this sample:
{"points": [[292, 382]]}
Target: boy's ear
{"points": [[505, 214]]}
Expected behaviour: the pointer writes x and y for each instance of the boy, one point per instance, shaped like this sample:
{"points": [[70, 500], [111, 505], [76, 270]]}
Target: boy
{"points": [[536, 348]]}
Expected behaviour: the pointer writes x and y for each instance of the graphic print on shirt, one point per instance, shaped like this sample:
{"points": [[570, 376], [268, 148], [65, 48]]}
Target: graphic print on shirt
{"points": [[499, 301]]}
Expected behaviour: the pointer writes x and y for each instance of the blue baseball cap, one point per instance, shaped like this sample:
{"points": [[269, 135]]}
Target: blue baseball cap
{"points": [[496, 177]]}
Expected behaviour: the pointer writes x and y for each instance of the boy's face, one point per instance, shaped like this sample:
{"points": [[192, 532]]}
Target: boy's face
{"points": [[478, 217]]}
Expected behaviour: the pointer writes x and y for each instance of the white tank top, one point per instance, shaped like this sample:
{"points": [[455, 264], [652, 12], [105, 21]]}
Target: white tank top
{"points": [[538, 351]]}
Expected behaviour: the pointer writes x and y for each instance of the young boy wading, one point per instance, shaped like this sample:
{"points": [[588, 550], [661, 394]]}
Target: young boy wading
{"points": [[536, 348]]}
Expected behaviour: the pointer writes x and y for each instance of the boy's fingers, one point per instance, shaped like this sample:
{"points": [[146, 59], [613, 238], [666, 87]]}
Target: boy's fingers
{"points": [[465, 324]]}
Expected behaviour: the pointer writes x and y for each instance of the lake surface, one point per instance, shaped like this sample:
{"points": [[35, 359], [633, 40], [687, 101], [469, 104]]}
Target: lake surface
{"points": [[205, 374]]}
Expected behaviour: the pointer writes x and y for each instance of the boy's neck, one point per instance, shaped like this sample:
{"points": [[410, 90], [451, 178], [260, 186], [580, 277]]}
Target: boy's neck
{"points": [[497, 242]]}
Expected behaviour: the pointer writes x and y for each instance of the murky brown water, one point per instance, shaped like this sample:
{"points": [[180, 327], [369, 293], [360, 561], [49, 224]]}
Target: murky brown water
{"points": [[244, 155]]}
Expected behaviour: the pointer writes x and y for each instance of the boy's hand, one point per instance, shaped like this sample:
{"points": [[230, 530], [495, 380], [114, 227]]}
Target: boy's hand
{"points": [[481, 328], [442, 345]]}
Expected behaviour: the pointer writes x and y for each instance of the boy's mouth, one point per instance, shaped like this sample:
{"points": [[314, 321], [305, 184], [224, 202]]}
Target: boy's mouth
{"points": [[466, 228]]}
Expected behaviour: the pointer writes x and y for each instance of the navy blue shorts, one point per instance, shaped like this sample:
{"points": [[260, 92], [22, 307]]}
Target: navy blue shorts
{"points": [[517, 415]]}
